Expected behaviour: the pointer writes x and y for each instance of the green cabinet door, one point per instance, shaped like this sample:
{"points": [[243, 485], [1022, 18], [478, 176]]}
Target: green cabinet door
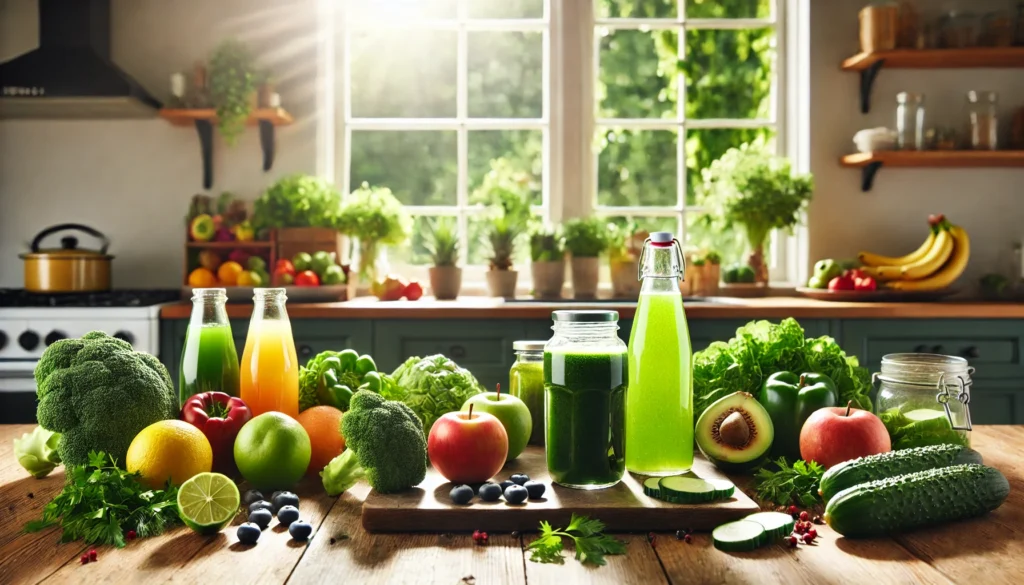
{"points": [[997, 402]]}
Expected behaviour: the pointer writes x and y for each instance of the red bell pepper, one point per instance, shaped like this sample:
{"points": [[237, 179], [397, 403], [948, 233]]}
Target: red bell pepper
{"points": [[219, 416], [841, 283]]}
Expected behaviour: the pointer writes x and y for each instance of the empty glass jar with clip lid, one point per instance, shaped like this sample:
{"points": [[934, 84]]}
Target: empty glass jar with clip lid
{"points": [[924, 399]]}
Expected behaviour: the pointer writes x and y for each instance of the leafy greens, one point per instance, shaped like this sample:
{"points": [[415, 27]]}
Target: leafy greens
{"points": [[587, 535], [789, 485], [760, 349]]}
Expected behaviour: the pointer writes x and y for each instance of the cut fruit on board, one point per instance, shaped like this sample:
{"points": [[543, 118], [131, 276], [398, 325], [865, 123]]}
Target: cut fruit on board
{"points": [[739, 536], [686, 490]]}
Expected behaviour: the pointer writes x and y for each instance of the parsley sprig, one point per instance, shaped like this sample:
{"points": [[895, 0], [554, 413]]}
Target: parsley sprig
{"points": [[796, 484], [101, 502], [588, 539]]}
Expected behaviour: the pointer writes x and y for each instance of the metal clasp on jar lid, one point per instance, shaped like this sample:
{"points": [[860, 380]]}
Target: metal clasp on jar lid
{"points": [[942, 397]]}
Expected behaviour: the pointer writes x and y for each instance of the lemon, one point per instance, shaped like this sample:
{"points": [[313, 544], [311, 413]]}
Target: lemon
{"points": [[208, 502], [169, 450]]}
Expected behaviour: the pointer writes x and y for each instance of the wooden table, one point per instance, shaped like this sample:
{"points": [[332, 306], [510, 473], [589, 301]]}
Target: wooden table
{"points": [[987, 550]]}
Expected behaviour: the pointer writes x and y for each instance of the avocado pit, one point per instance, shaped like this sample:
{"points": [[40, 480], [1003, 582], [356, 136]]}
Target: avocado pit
{"points": [[734, 430]]}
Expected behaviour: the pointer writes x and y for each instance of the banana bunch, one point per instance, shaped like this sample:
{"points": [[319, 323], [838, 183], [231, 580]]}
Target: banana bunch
{"points": [[940, 260]]}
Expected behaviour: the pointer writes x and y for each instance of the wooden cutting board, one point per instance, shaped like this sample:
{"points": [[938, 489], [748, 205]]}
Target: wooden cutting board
{"points": [[623, 507]]}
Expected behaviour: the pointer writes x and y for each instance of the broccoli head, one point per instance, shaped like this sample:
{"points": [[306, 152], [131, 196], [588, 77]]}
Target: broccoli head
{"points": [[99, 393], [387, 437]]}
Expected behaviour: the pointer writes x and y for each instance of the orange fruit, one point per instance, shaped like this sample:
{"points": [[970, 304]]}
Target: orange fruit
{"points": [[228, 273], [323, 425], [202, 278]]}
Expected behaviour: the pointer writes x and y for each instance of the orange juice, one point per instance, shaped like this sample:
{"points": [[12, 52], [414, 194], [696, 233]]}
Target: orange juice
{"points": [[270, 368]]}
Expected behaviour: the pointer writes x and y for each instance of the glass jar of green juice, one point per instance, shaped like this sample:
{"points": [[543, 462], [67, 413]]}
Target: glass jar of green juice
{"points": [[924, 399], [526, 382], [585, 379]]}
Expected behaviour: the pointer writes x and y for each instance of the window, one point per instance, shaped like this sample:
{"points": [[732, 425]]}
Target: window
{"points": [[439, 99]]}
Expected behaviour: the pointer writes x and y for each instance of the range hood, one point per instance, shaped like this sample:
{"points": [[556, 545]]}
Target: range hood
{"points": [[70, 75]]}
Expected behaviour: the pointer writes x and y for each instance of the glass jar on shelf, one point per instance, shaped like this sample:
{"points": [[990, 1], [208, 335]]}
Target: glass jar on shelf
{"points": [[958, 30], [910, 118], [526, 382], [924, 399], [983, 119]]}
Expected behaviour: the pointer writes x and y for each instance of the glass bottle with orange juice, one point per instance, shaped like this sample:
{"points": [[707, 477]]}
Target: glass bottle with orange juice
{"points": [[270, 368]]}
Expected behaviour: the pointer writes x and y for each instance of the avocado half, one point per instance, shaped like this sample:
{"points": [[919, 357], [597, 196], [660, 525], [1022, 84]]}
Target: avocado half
{"points": [[735, 433]]}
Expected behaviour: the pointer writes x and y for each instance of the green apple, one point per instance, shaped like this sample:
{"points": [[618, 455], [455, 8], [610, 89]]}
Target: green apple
{"points": [[513, 414]]}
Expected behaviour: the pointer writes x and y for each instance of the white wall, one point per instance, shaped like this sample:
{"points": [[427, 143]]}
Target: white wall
{"points": [[132, 179], [890, 219]]}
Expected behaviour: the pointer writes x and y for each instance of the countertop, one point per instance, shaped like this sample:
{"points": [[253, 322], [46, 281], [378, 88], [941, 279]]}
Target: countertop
{"points": [[986, 550], [720, 308]]}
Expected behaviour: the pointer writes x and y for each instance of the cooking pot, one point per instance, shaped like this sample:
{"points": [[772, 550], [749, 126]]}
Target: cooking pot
{"points": [[68, 269]]}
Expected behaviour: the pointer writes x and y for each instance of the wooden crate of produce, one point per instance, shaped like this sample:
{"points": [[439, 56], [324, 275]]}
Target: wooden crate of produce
{"points": [[291, 241]]}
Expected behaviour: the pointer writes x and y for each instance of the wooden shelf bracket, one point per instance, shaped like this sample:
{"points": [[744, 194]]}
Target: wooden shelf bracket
{"points": [[205, 130], [867, 81]]}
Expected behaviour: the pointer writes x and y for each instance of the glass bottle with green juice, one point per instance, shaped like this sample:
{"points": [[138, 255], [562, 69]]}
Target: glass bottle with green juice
{"points": [[659, 405], [209, 362], [585, 379], [526, 382]]}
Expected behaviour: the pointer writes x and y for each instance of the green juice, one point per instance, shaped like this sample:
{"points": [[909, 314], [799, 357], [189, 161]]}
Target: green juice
{"points": [[209, 362], [585, 400], [659, 406], [526, 382]]}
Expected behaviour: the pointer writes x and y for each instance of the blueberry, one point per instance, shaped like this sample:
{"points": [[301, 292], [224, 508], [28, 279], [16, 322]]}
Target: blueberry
{"points": [[516, 494], [489, 492], [261, 505], [287, 514], [260, 517], [519, 478], [535, 489], [505, 484], [248, 533], [461, 494], [274, 495], [300, 530], [282, 499], [252, 496]]}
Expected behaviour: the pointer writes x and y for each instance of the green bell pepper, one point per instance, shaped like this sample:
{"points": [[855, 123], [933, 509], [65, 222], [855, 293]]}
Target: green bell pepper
{"points": [[330, 390], [789, 400], [331, 377], [827, 269]]}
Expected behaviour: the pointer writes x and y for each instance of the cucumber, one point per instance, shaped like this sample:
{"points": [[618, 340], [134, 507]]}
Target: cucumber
{"points": [[686, 490], [723, 488], [916, 499], [651, 487], [776, 524], [739, 536], [891, 464]]}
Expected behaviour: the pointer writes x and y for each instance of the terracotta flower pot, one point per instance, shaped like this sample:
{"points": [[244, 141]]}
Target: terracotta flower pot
{"points": [[625, 284], [548, 279], [585, 273], [445, 282], [502, 283]]}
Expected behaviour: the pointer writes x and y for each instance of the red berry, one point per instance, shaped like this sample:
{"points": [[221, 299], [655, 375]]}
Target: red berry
{"points": [[793, 511], [799, 528], [687, 539], [804, 516], [483, 536], [92, 554], [84, 559], [808, 539], [130, 535], [812, 533], [792, 540]]}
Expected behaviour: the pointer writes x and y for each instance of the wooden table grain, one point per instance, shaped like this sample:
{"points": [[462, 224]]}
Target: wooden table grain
{"points": [[986, 550]]}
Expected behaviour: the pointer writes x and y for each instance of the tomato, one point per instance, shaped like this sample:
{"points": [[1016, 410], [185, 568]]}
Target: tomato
{"points": [[307, 278], [841, 283], [284, 266]]}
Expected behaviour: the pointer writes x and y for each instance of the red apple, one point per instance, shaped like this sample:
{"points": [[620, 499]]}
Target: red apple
{"points": [[467, 447], [833, 435]]}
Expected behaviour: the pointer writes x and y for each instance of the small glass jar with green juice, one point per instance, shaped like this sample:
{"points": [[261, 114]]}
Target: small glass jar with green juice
{"points": [[585, 379], [526, 382]]}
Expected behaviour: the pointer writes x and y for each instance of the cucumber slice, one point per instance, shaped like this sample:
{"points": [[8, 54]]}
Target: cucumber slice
{"points": [[652, 487], [723, 488], [739, 536], [776, 524], [686, 490]]}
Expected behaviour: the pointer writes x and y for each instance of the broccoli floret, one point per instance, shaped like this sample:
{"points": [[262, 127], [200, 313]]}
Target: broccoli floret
{"points": [[387, 437], [99, 393]]}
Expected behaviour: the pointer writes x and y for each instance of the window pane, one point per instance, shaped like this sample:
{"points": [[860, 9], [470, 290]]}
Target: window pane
{"points": [[648, 224], [418, 166], [414, 251], [706, 146], [730, 9], [636, 167], [637, 77], [403, 73], [702, 233], [404, 10], [505, 70], [635, 9], [729, 73], [505, 157], [505, 8]]}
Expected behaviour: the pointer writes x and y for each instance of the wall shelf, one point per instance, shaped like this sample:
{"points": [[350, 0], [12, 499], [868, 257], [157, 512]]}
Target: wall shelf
{"points": [[869, 64], [203, 119], [871, 162]]}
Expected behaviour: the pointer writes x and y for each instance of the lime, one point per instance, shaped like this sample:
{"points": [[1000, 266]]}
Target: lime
{"points": [[208, 502], [272, 451]]}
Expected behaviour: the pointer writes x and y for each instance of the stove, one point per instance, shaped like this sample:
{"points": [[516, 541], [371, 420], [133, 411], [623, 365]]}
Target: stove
{"points": [[29, 322]]}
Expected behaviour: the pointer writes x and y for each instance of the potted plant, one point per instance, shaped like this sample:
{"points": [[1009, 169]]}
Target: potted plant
{"points": [[234, 79], [750, 188], [703, 272], [624, 246], [547, 256], [303, 209], [442, 242], [585, 239], [510, 218], [374, 218]]}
